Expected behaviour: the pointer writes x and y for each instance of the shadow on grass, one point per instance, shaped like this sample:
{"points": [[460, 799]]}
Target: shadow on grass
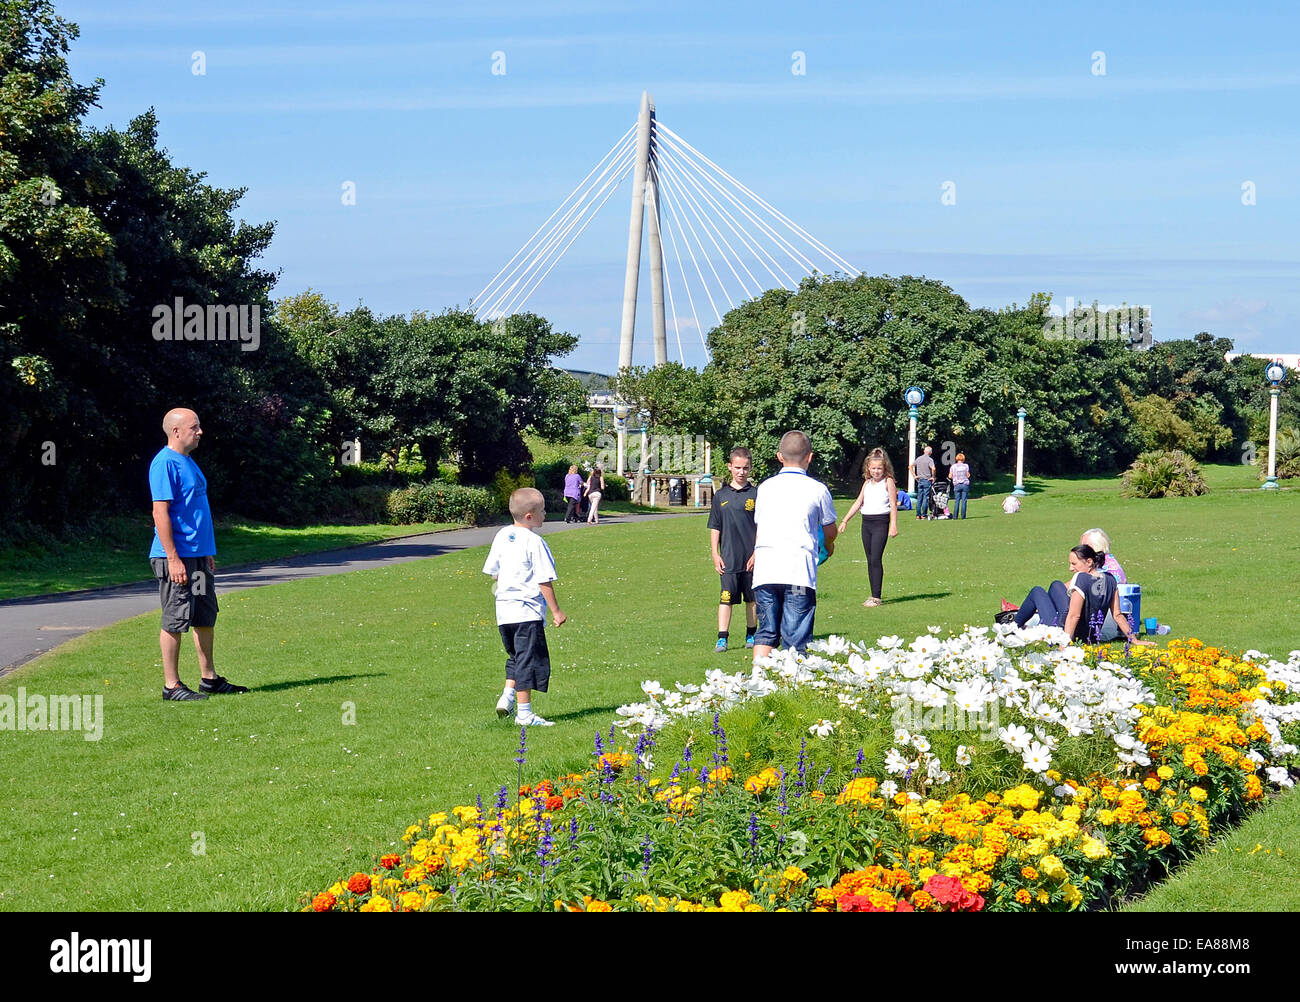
{"points": [[593, 711], [323, 680], [917, 597]]}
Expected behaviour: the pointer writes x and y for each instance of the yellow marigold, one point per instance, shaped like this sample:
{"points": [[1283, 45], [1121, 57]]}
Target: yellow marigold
{"points": [[437, 819], [1052, 868], [722, 774], [824, 896], [1152, 784], [1094, 848], [412, 901], [1072, 895], [1165, 772], [338, 889], [377, 903], [1023, 897], [1198, 794], [1071, 813], [792, 876], [1043, 897], [901, 799], [1023, 796], [925, 873], [919, 857], [1155, 838], [985, 858], [1200, 768], [734, 900]]}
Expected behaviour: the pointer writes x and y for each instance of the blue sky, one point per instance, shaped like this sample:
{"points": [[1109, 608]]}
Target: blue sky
{"points": [[1123, 187]]}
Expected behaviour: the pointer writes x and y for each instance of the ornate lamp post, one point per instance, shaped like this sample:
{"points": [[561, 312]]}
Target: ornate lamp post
{"points": [[621, 411], [913, 396], [1275, 373], [1019, 491]]}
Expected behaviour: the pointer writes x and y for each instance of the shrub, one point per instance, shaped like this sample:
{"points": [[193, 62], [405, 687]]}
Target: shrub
{"points": [[506, 483], [440, 502], [1288, 455], [1163, 475]]}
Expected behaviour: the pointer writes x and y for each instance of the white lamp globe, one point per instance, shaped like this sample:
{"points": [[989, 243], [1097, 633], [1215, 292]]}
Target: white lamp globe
{"points": [[914, 396], [1275, 372], [621, 411]]}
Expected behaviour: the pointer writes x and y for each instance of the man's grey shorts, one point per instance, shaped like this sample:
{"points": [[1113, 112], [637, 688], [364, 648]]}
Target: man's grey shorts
{"points": [[191, 604]]}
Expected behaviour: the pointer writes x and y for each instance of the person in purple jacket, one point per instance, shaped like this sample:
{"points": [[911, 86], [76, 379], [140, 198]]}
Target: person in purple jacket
{"points": [[572, 494]]}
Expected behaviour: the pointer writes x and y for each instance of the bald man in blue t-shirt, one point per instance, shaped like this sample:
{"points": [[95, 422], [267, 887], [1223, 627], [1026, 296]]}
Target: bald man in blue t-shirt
{"points": [[183, 557]]}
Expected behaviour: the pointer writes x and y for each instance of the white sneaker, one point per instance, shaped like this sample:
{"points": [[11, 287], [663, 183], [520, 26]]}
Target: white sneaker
{"points": [[505, 704], [533, 720]]}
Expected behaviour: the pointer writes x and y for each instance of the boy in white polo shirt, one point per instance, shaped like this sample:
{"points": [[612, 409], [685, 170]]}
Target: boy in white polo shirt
{"points": [[791, 507], [524, 570]]}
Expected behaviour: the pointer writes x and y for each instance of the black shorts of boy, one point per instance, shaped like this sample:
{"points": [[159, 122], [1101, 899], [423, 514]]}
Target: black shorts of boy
{"points": [[737, 588], [193, 603], [528, 662]]}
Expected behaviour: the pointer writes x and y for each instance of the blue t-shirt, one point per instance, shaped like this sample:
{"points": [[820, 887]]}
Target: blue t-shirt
{"points": [[177, 478]]}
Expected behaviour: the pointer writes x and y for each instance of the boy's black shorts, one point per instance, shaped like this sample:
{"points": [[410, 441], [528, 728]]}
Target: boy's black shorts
{"points": [[737, 588], [191, 604], [528, 662]]}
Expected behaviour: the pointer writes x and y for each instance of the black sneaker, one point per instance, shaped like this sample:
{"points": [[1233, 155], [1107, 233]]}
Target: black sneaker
{"points": [[219, 686], [182, 692]]}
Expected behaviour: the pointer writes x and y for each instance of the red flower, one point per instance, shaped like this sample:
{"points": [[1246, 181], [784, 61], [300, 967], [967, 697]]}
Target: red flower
{"points": [[554, 803], [389, 861], [359, 883], [322, 902], [952, 892]]}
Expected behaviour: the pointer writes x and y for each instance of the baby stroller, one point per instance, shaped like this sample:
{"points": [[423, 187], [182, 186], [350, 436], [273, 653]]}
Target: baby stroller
{"points": [[939, 500]]}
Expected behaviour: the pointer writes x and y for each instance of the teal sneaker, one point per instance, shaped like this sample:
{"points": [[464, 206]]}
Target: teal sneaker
{"points": [[722, 645], [749, 639]]}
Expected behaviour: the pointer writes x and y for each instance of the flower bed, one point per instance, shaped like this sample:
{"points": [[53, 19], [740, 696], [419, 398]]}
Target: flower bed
{"points": [[1086, 779]]}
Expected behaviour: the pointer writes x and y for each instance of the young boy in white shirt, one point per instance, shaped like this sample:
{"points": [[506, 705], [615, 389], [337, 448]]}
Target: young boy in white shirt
{"points": [[791, 508], [524, 570]]}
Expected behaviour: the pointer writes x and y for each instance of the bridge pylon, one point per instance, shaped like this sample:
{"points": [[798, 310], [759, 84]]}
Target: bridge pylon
{"points": [[645, 189]]}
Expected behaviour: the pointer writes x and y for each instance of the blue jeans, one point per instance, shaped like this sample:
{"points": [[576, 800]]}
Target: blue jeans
{"points": [[1052, 605], [785, 615], [960, 492], [923, 488]]}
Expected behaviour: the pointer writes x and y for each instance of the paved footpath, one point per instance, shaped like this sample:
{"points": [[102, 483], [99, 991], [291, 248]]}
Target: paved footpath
{"points": [[31, 626]]}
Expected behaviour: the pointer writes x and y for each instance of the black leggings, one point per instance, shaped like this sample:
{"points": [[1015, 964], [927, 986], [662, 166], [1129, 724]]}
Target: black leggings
{"points": [[875, 534], [571, 515]]}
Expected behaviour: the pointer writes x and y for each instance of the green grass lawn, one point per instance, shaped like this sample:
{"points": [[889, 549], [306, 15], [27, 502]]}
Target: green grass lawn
{"points": [[288, 797], [115, 551]]}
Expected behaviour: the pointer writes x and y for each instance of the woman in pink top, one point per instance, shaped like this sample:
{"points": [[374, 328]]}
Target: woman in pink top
{"points": [[1100, 542]]}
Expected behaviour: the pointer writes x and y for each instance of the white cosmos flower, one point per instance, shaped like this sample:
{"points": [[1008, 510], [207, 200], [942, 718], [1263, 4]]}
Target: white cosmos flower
{"points": [[920, 743], [822, 729], [963, 755], [889, 643], [934, 769], [1037, 758], [652, 689], [895, 763], [924, 645], [1279, 776], [1015, 736], [902, 737], [888, 789]]}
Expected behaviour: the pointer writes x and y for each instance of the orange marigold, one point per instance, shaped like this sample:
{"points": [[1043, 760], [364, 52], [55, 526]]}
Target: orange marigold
{"points": [[322, 902], [359, 883]]}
